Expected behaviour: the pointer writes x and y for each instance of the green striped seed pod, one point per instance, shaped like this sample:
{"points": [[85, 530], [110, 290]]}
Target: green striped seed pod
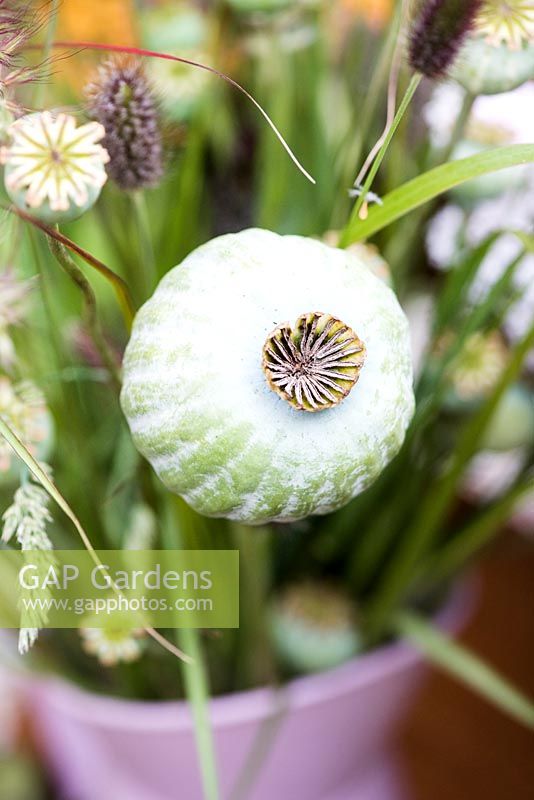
{"points": [[313, 627], [251, 333]]}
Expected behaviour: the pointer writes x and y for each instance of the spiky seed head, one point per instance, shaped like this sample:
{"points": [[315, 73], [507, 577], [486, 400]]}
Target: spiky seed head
{"points": [[122, 100], [439, 29], [20, 21], [509, 22]]}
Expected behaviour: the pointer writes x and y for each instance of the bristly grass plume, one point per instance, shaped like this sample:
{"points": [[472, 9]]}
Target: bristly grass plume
{"points": [[438, 32], [19, 22], [122, 100], [27, 520]]}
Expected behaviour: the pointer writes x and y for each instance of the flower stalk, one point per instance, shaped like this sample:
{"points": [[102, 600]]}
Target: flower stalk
{"points": [[137, 51], [66, 262]]}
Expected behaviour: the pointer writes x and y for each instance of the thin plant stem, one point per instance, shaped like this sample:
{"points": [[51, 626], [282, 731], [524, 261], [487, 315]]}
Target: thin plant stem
{"points": [[412, 87], [66, 262], [137, 51], [393, 84], [148, 261], [405, 241], [119, 285], [197, 691], [458, 131], [363, 115], [176, 523]]}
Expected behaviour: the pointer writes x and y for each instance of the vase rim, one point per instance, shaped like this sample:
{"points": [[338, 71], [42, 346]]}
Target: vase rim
{"points": [[228, 710]]}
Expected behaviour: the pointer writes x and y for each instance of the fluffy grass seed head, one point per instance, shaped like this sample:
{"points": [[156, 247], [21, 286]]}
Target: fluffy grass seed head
{"points": [[437, 33], [122, 100], [26, 520], [20, 21]]}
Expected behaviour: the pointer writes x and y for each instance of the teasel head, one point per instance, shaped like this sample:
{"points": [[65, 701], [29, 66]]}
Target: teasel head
{"points": [[437, 33], [122, 100]]}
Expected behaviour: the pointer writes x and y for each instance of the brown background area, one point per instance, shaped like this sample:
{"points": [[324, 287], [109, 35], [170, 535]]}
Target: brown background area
{"points": [[456, 746]]}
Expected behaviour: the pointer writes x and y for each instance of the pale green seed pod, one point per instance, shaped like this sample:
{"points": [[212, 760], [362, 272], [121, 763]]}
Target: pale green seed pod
{"points": [[54, 169], [238, 344], [313, 627], [44, 212], [512, 424], [485, 68]]}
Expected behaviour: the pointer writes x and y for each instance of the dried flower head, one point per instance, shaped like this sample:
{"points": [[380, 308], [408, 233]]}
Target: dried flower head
{"points": [[53, 164], [477, 368], [13, 308], [438, 33], [509, 22], [314, 365], [122, 100], [113, 645]]}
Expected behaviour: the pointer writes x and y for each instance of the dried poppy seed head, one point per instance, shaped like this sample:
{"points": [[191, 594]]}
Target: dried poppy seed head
{"points": [[438, 33], [122, 100], [314, 365]]}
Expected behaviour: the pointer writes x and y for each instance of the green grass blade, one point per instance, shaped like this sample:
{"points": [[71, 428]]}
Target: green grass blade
{"points": [[477, 533], [179, 521], [355, 215], [431, 184], [465, 666], [197, 692]]}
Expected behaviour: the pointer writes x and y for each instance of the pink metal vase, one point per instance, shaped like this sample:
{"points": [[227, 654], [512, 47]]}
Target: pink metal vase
{"points": [[324, 737]]}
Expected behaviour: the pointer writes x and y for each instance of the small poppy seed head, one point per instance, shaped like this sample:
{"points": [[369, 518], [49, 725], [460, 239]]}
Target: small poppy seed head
{"points": [[122, 100], [438, 32]]}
